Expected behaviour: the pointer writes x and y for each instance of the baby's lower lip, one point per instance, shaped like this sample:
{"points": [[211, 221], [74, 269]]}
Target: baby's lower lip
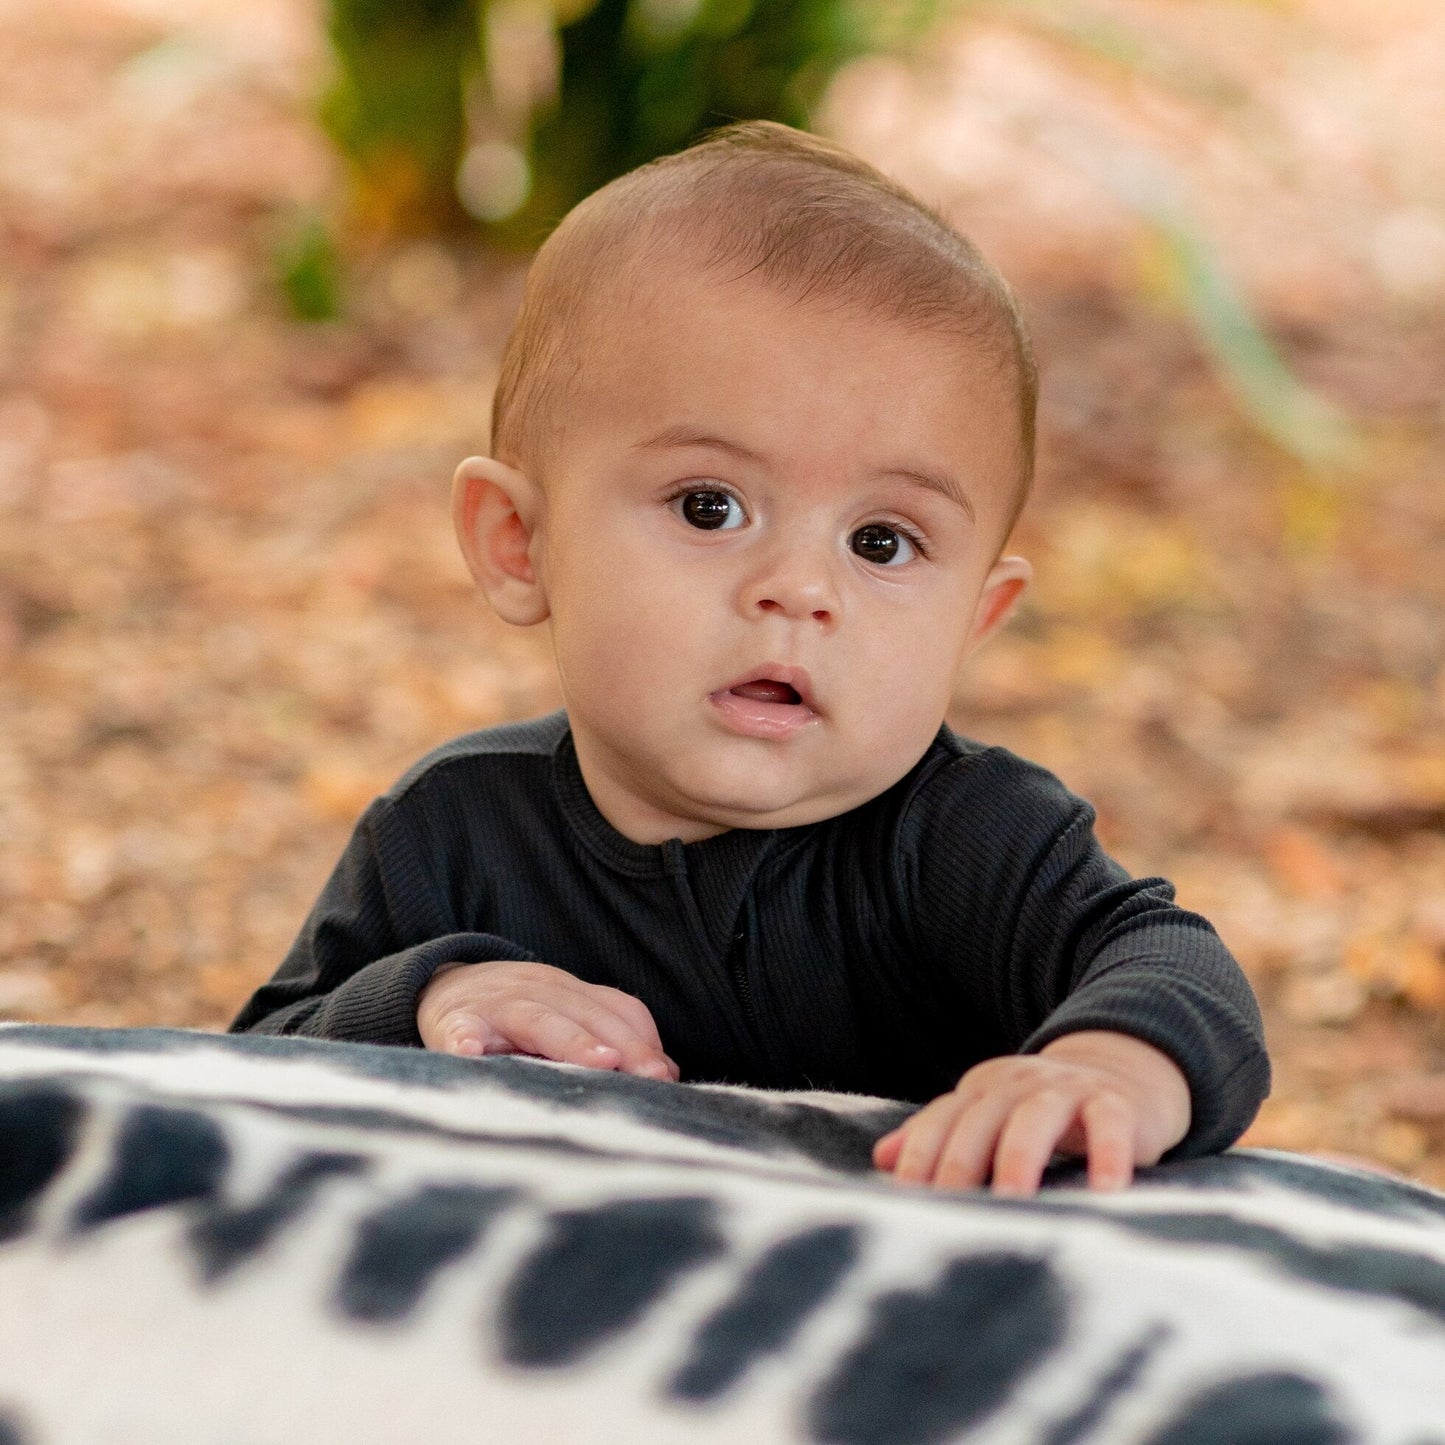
{"points": [[758, 718]]}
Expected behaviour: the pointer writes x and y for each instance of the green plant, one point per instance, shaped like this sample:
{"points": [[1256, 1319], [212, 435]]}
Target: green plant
{"points": [[308, 271], [1297, 419], [394, 107], [513, 110]]}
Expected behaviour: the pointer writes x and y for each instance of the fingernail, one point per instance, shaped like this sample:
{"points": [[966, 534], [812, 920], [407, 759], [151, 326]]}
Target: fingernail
{"points": [[470, 1047]]}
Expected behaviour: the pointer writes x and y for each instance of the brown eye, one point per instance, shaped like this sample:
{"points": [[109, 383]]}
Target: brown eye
{"points": [[883, 545], [709, 511]]}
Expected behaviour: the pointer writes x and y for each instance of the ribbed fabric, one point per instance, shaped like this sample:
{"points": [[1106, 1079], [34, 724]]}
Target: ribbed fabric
{"points": [[967, 912]]}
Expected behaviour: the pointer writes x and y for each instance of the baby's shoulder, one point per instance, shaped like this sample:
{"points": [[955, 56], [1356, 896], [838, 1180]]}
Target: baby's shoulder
{"points": [[956, 766], [980, 790], [507, 752]]}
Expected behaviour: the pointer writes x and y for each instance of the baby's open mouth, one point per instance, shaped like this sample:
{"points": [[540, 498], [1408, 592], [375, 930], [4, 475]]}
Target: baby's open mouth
{"points": [[776, 702], [765, 689]]}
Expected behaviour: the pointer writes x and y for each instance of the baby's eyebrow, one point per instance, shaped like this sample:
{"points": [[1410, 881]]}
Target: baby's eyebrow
{"points": [[689, 436], [939, 482]]}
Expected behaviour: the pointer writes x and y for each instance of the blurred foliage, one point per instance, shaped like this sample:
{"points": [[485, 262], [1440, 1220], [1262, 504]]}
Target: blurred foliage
{"points": [[513, 110], [395, 106], [1181, 266], [309, 271], [505, 113], [1184, 267]]}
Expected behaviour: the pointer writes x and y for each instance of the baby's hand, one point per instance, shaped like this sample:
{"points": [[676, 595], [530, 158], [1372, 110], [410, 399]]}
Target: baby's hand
{"points": [[1109, 1097], [510, 1007]]}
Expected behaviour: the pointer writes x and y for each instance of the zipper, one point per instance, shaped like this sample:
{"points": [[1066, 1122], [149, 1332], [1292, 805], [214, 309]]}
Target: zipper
{"points": [[737, 960]]}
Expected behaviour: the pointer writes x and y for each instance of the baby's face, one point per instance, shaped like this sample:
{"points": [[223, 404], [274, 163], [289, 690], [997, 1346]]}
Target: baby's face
{"points": [[767, 543]]}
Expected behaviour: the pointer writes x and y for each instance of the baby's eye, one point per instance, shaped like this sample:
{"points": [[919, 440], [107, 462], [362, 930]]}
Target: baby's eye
{"points": [[886, 546], [711, 511]]}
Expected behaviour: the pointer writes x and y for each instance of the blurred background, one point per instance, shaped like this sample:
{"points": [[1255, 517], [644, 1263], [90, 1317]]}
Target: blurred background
{"points": [[256, 265]]}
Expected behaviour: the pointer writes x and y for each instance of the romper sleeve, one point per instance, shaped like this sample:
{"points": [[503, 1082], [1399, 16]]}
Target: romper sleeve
{"points": [[381, 928], [1045, 934]]}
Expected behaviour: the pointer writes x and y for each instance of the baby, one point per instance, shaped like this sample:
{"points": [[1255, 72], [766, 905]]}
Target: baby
{"points": [[762, 430]]}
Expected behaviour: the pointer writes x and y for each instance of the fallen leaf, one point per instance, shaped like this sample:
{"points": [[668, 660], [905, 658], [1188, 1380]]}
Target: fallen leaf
{"points": [[1332, 998], [1302, 863], [340, 791]]}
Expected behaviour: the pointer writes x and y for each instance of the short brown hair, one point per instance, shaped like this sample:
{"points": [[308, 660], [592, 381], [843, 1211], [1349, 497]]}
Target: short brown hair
{"points": [[764, 200]]}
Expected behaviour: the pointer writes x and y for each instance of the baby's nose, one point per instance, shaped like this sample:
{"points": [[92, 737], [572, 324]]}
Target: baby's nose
{"points": [[797, 583], [772, 604]]}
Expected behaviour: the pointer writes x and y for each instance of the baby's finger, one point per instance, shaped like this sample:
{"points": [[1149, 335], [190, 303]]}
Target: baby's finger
{"points": [[889, 1146], [968, 1151], [1109, 1128], [633, 1012], [627, 1024], [1026, 1142], [637, 1053], [945, 1124], [460, 1031], [531, 1027], [918, 1140]]}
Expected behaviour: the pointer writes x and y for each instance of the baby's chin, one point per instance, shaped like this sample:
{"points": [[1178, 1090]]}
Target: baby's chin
{"points": [[745, 806], [693, 792]]}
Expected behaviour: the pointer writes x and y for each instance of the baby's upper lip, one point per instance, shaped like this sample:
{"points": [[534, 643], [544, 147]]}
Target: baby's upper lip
{"points": [[794, 677]]}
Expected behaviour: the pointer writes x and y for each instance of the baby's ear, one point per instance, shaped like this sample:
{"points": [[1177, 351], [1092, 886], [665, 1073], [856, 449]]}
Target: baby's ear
{"points": [[495, 510], [1002, 588]]}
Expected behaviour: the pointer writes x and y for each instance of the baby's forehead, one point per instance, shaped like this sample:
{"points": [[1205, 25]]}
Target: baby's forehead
{"points": [[683, 285], [646, 381]]}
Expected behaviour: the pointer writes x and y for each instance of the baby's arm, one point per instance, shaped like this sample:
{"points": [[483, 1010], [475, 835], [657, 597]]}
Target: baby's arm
{"points": [[1086, 984], [390, 954], [514, 1007], [1107, 1097]]}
